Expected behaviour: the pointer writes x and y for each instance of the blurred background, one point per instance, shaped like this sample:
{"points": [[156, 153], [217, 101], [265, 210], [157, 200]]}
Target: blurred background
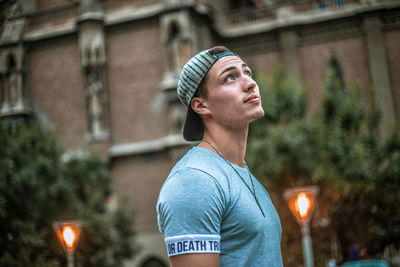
{"points": [[91, 123]]}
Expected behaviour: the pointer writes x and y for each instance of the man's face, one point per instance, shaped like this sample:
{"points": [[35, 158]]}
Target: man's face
{"points": [[233, 97]]}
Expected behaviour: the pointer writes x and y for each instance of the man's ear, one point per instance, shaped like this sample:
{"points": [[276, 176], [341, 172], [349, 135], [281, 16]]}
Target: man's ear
{"points": [[199, 105]]}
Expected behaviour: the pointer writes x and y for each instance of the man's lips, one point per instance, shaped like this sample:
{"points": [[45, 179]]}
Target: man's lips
{"points": [[252, 99]]}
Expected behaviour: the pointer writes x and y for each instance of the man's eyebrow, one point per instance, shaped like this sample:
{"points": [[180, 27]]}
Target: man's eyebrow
{"points": [[244, 65]]}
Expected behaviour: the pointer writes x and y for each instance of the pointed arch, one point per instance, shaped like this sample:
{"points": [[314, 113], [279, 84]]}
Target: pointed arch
{"points": [[11, 61], [173, 47], [173, 30], [12, 95], [12, 81]]}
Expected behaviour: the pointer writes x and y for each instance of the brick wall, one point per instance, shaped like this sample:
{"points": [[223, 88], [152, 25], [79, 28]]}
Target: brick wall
{"points": [[263, 63], [138, 181], [56, 87], [135, 67], [392, 39], [48, 4], [352, 55]]}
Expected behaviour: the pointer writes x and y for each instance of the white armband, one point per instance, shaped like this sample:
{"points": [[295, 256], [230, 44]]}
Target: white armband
{"points": [[183, 244]]}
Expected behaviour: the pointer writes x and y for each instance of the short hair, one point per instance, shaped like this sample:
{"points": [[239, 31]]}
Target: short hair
{"points": [[202, 90]]}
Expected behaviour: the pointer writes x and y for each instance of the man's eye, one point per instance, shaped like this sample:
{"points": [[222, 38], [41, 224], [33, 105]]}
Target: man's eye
{"points": [[247, 73], [229, 78]]}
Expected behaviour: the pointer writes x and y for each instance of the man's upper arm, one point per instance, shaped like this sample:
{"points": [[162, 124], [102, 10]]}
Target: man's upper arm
{"points": [[191, 203], [190, 209], [195, 260]]}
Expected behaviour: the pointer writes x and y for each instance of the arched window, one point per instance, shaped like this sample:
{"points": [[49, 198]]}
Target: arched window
{"points": [[335, 67]]}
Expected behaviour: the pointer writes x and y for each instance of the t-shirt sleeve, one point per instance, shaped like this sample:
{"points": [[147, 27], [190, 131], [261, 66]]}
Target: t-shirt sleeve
{"points": [[190, 210]]}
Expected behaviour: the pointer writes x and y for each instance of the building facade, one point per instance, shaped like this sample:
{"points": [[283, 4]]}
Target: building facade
{"points": [[102, 74]]}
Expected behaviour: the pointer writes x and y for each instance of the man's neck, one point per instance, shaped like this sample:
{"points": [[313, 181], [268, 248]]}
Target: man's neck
{"points": [[231, 144]]}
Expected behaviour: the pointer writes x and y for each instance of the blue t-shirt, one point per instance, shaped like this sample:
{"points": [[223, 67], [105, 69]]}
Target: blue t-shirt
{"points": [[204, 207]]}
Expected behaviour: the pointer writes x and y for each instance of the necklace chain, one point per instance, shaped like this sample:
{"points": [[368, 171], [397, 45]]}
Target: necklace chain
{"points": [[253, 192]]}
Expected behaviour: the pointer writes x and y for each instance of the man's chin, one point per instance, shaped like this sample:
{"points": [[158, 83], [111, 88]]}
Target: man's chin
{"points": [[258, 115]]}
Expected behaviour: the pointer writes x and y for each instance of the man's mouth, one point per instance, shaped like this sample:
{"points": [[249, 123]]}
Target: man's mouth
{"points": [[252, 99]]}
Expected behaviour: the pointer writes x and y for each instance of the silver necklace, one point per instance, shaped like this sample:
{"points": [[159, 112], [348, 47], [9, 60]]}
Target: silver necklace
{"points": [[253, 192]]}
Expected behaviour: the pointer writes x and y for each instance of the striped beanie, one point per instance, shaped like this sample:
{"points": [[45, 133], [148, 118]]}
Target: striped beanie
{"points": [[191, 77]]}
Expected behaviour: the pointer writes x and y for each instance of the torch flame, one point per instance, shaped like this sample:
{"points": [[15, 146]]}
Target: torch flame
{"points": [[69, 236]]}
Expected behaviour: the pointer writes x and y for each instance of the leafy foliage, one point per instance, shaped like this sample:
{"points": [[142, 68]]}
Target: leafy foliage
{"points": [[39, 186], [337, 148]]}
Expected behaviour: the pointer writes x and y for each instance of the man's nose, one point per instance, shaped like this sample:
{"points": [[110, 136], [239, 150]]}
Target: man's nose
{"points": [[249, 83]]}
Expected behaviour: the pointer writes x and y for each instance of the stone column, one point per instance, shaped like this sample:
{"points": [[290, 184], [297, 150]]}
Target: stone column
{"points": [[290, 57], [179, 41], [379, 72], [93, 61]]}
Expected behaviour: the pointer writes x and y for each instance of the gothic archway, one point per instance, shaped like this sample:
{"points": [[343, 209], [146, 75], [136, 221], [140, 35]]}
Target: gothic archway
{"points": [[153, 262]]}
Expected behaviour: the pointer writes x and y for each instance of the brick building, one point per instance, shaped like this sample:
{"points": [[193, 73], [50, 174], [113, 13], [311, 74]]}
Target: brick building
{"points": [[102, 74]]}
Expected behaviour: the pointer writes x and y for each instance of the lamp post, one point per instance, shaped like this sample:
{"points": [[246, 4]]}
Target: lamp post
{"points": [[301, 202], [68, 233]]}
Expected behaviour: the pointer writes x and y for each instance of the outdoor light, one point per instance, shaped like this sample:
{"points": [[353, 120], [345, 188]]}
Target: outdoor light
{"points": [[301, 201], [68, 233]]}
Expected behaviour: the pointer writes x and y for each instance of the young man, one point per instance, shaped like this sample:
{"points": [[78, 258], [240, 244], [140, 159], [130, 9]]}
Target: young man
{"points": [[211, 210]]}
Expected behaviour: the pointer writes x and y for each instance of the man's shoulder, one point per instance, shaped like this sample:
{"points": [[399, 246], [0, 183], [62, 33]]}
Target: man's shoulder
{"points": [[200, 159], [201, 163]]}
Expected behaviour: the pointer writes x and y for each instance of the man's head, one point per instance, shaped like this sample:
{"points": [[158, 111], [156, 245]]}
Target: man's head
{"points": [[222, 75]]}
